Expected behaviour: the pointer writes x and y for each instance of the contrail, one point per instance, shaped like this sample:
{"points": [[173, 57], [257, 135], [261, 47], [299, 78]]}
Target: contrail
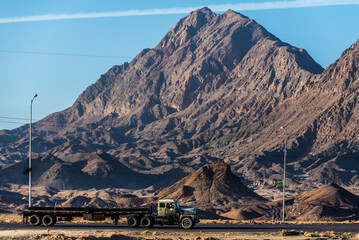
{"points": [[184, 10]]}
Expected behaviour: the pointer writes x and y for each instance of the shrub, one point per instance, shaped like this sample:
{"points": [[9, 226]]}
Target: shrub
{"points": [[289, 233]]}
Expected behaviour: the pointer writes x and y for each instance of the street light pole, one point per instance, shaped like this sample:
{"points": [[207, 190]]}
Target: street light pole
{"points": [[30, 150], [285, 156]]}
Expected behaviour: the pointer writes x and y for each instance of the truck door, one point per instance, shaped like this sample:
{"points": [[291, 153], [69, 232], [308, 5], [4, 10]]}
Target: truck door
{"points": [[170, 209], [161, 209]]}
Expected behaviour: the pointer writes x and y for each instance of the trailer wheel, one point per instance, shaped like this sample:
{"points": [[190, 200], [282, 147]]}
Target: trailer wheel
{"points": [[187, 223], [147, 222], [48, 220], [132, 221], [35, 220]]}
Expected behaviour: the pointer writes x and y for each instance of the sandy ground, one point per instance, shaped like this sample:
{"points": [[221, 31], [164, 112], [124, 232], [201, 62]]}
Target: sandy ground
{"points": [[147, 234], [17, 218], [160, 235]]}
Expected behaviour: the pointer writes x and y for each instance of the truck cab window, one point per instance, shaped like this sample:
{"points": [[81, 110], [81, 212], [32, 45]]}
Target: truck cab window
{"points": [[170, 205]]}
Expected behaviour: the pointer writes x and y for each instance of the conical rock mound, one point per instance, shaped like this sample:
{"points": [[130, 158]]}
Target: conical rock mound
{"points": [[214, 184], [330, 202]]}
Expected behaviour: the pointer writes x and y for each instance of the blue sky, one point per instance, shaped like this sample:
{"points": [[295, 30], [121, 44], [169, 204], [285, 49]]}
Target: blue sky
{"points": [[58, 59]]}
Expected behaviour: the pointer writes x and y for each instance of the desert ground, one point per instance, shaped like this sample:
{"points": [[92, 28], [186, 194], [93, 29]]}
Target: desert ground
{"points": [[43, 234], [217, 230]]}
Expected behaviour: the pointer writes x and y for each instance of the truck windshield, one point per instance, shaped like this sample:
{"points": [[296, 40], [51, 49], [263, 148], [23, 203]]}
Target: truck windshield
{"points": [[177, 205]]}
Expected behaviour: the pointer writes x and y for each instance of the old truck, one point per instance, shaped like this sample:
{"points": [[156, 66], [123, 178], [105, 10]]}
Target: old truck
{"points": [[168, 213]]}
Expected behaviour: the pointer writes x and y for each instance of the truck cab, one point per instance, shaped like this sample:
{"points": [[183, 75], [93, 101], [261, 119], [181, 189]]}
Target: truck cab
{"points": [[171, 213], [167, 207]]}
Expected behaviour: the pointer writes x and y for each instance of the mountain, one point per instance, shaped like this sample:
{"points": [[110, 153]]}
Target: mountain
{"points": [[210, 186], [329, 203], [216, 87]]}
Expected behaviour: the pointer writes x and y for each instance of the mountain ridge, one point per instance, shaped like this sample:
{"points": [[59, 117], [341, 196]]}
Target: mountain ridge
{"points": [[216, 87]]}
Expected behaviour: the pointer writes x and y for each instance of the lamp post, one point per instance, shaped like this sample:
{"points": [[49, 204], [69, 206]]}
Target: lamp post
{"points": [[285, 156], [30, 150]]}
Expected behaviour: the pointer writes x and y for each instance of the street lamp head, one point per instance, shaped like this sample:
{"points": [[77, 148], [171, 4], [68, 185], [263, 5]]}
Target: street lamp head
{"points": [[283, 129], [34, 97]]}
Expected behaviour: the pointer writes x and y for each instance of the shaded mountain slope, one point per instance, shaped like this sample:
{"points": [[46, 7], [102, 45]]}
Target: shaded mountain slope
{"points": [[323, 122], [97, 170]]}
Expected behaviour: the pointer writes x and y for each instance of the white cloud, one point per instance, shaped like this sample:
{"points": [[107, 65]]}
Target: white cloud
{"points": [[184, 10]]}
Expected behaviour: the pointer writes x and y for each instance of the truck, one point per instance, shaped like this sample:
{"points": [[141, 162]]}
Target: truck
{"points": [[169, 212]]}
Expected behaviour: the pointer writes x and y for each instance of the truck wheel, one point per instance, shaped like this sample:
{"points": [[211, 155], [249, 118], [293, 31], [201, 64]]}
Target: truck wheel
{"points": [[146, 222], [187, 223], [35, 220], [48, 220], [132, 222]]}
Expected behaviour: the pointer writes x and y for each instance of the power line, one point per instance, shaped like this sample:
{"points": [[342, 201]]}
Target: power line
{"points": [[63, 54], [13, 122], [17, 118]]}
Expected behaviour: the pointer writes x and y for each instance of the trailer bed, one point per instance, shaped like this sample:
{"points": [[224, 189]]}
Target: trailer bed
{"points": [[36, 215], [80, 211]]}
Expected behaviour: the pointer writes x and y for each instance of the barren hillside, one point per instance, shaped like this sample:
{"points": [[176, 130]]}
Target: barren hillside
{"points": [[216, 87]]}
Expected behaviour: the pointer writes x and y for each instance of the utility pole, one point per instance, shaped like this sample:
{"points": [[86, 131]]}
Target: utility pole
{"points": [[30, 170], [285, 159]]}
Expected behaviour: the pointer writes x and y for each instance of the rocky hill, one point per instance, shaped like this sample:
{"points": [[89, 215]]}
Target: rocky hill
{"points": [[216, 87], [96, 170], [211, 187], [328, 203]]}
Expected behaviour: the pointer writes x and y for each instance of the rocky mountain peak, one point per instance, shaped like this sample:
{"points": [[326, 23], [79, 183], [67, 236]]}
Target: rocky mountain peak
{"points": [[199, 18], [233, 14], [185, 29], [343, 74], [217, 169], [203, 25]]}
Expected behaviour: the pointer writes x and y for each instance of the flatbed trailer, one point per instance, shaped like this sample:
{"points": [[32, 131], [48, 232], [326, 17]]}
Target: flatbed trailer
{"points": [[169, 213], [48, 216]]}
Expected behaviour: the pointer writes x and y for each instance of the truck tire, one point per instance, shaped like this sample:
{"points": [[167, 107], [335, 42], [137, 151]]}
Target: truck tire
{"points": [[35, 220], [187, 223], [132, 221], [146, 222], [48, 220]]}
